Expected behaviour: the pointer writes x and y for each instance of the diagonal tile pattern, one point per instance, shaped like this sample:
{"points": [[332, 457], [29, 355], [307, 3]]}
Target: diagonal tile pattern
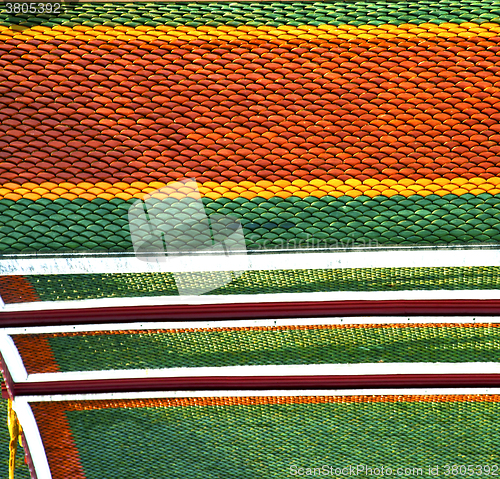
{"points": [[337, 122]]}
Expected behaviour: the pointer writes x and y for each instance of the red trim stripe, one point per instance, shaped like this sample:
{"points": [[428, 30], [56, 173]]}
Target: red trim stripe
{"points": [[258, 383], [233, 311]]}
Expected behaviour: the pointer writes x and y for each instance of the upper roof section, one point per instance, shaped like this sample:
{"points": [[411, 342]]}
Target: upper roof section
{"points": [[314, 125], [314, 121]]}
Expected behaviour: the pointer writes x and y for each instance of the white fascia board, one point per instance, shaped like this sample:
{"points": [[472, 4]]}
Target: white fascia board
{"points": [[244, 323], [420, 295], [376, 258], [12, 359]]}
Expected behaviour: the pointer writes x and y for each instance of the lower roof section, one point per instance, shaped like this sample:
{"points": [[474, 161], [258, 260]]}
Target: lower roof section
{"points": [[267, 348], [421, 275], [310, 353], [263, 434]]}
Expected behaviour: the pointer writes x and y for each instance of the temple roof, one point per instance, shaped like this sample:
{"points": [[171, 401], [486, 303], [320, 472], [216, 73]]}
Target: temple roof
{"points": [[355, 148]]}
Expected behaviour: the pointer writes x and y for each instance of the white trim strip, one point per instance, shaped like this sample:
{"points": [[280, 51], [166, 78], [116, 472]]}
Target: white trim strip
{"points": [[440, 257], [257, 298], [33, 438], [243, 323], [12, 359], [266, 393], [357, 369]]}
